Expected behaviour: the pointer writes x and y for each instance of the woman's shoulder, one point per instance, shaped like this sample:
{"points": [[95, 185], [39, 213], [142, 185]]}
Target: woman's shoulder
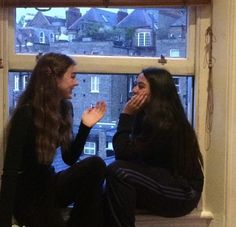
{"points": [[22, 112], [67, 107]]}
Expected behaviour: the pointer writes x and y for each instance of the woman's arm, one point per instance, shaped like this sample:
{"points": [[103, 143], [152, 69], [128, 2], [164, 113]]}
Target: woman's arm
{"points": [[122, 142], [13, 163], [89, 118], [77, 145]]}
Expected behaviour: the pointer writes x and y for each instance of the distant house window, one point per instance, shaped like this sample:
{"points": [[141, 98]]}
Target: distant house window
{"points": [[144, 39], [174, 53], [109, 146], [16, 83], [130, 84], [24, 81], [177, 84], [41, 37], [52, 38], [90, 148], [95, 84]]}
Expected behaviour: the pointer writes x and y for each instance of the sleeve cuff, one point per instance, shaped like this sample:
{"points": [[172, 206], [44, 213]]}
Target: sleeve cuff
{"points": [[125, 121], [84, 127]]}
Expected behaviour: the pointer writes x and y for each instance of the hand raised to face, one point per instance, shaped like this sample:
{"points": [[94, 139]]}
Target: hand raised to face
{"points": [[135, 104], [94, 114]]}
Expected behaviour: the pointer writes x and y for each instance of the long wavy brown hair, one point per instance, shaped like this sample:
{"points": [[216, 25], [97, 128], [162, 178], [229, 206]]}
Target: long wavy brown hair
{"points": [[52, 118]]}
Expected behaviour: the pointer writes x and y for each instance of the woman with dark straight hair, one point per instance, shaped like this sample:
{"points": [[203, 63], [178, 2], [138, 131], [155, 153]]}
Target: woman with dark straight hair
{"points": [[158, 163], [42, 122]]}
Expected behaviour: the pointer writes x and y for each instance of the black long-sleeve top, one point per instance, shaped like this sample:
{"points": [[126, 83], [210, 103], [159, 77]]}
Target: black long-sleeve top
{"points": [[22, 173], [129, 127]]}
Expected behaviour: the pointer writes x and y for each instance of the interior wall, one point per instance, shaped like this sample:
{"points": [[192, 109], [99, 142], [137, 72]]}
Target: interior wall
{"points": [[220, 159]]}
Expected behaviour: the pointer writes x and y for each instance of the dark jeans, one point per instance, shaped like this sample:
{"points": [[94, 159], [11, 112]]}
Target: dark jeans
{"points": [[80, 185], [133, 185]]}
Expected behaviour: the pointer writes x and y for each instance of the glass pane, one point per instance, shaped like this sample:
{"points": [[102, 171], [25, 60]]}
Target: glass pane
{"points": [[102, 31], [115, 90]]}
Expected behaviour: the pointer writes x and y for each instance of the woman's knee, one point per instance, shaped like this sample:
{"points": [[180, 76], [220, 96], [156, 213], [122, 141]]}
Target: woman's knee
{"points": [[118, 164], [116, 168]]}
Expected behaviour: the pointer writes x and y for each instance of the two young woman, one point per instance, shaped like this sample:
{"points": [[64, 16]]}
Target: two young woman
{"points": [[158, 162]]}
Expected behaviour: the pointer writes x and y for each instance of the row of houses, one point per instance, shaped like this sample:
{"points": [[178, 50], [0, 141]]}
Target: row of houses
{"points": [[141, 32], [115, 90]]}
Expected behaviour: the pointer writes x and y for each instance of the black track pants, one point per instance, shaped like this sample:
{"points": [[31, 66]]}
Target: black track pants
{"points": [[134, 185]]}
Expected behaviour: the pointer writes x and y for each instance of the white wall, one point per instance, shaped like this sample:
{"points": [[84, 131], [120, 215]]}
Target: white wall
{"points": [[220, 159]]}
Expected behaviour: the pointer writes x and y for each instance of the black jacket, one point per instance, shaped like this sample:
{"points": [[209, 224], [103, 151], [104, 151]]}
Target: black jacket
{"points": [[24, 178]]}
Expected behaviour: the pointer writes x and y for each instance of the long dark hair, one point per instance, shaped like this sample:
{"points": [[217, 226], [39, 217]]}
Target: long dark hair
{"points": [[52, 120], [165, 121]]}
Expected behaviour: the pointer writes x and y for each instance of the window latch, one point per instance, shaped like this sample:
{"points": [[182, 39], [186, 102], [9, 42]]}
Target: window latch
{"points": [[162, 60], [1, 63]]}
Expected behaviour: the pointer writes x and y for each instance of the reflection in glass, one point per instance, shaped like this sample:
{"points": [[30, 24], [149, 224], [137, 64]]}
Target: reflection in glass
{"points": [[102, 31]]}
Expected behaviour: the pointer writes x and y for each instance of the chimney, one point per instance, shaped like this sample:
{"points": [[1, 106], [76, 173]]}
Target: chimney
{"points": [[72, 14], [121, 14]]}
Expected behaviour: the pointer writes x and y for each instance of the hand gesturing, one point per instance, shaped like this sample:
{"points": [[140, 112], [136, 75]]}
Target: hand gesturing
{"points": [[94, 114]]}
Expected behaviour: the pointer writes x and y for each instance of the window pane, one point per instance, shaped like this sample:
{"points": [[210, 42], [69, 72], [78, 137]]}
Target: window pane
{"points": [[102, 31], [115, 90]]}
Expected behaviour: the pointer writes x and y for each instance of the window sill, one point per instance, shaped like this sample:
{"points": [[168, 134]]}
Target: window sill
{"points": [[196, 219]]}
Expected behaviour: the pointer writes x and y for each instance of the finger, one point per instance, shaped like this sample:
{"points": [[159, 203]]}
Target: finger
{"points": [[137, 100], [101, 106]]}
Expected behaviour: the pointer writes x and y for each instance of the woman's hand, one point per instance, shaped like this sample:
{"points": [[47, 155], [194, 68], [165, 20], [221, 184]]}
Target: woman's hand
{"points": [[94, 114], [135, 104]]}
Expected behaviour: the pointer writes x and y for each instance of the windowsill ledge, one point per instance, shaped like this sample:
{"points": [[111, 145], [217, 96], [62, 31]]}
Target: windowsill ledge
{"points": [[194, 219]]}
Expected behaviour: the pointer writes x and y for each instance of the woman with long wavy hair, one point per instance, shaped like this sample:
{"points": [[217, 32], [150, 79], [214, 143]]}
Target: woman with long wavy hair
{"points": [[158, 163], [42, 122]]}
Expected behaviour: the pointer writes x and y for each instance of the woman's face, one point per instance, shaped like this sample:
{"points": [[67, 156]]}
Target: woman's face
{"points": [[67, 83], [142, 86]]}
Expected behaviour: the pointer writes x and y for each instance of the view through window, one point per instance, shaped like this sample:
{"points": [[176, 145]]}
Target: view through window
{"points": [[102, 31], [115, 91], [77, 31]]}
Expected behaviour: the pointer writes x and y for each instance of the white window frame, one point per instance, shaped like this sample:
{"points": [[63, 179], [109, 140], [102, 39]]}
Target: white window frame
{"points": [[95, 84], [24, 81], [41, 37], [145, 40], [90, 148], [130, 84], [16, 82]]}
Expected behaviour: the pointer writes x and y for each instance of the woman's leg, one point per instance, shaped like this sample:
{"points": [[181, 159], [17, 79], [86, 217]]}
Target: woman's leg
{"points": [[131, 185], [30, 211], [82, 184]]}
